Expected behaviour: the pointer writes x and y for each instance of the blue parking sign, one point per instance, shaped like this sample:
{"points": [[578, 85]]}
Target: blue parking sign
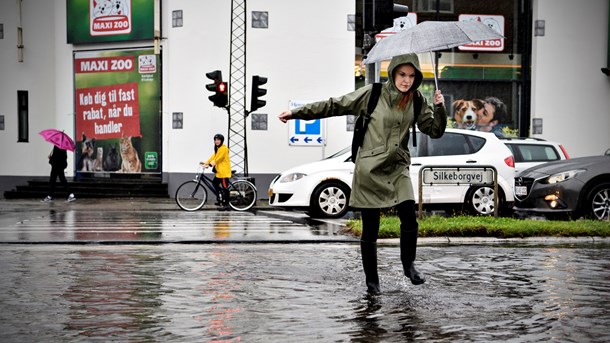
{"points": [[307, 127], [305, 132]]}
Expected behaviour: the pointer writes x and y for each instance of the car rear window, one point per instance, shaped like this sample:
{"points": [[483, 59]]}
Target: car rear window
{"points": [[448, 144], [534, 152], [477, 143]]}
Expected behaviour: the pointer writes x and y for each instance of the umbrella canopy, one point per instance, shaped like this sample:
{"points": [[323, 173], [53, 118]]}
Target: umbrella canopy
{"points": [[431, 36], [58, 138]]}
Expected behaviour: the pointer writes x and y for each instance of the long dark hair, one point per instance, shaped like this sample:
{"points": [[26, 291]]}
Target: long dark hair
{"points": [[222, 140], [404, 99]]}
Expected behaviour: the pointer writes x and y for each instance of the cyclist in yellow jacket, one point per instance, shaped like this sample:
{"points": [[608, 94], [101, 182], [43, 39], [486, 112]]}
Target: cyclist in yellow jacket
{"points": [[221, 165]]}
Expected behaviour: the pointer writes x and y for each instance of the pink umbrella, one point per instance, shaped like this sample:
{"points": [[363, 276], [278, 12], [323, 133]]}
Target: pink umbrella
{"points": [[59, 138]]}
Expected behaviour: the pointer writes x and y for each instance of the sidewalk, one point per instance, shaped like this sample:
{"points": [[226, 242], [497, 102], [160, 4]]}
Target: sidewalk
{"points": [[116, 204], [262, 207]]}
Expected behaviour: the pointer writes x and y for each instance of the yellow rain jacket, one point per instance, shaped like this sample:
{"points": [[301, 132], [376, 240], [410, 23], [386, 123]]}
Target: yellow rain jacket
{"points": [[220, 160]]}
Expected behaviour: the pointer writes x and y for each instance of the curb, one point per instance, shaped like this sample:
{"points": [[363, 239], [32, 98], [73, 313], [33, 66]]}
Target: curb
{"points": [[500, 241]]}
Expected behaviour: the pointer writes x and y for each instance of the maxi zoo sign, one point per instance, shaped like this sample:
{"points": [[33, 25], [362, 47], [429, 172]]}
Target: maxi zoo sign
{"points": [[109, 18], [496, 22]]}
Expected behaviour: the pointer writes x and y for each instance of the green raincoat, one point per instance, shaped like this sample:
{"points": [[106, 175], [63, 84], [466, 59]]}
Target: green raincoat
{"points": [[381, 174]]}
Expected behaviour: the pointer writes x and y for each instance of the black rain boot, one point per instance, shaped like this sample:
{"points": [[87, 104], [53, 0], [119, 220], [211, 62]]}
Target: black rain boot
{"points": [[224, 200], [408, 247], [369, 263]]}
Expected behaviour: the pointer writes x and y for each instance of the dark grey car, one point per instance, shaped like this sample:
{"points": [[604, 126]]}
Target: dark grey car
{"points": [[566, 189]]}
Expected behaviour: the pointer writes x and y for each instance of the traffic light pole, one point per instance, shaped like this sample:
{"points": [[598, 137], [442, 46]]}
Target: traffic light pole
{"points": [[377, 15], [237, 89]]}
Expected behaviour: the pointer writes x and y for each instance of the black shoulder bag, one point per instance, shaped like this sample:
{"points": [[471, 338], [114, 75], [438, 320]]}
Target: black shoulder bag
{"points": [[362, 122]]}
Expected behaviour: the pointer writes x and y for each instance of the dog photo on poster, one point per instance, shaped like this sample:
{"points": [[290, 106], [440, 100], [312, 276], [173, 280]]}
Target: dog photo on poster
{"points": [[102, 21], [116, 106], [488, 114]]}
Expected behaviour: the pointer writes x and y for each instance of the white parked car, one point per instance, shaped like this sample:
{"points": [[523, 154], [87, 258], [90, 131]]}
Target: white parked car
{"points": [[322, 188], [530, 152]]}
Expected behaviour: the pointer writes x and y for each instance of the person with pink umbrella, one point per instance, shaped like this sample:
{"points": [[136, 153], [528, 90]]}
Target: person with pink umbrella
{"points": [[58, 159]]}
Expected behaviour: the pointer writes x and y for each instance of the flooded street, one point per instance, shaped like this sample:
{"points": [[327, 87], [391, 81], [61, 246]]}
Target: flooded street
{"points": [[302, 293]]}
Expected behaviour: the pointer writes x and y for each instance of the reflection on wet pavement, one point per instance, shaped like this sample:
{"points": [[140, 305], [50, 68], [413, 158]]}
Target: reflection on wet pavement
{"points": [[301, 293], [72, 226]]}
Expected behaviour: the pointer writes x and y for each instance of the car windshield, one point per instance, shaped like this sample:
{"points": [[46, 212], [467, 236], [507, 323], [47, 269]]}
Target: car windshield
{"points": [[340, 152]]}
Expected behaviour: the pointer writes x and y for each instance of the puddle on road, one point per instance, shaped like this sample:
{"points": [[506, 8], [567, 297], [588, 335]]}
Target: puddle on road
{"points": [[299, 293], [158, 226]]}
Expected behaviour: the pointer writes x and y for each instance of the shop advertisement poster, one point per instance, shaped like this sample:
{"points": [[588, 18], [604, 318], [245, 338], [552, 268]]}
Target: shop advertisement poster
{"points": [[116, 106], [495, 22], [93, 21]]}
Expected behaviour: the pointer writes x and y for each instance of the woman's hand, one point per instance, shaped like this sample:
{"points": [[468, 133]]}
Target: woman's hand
{"points": [[439, 99], [285, 116]]}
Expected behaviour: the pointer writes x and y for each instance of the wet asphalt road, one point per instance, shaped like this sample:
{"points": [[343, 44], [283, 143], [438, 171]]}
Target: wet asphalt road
{"points": [[157, 221], [144, 271]]}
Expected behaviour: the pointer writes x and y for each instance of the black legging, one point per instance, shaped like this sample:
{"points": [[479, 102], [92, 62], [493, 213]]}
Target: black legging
{"points": [[55, 173], [370, 221], [221, 185]]}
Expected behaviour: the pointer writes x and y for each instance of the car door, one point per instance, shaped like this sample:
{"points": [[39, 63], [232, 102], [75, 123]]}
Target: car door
{"points": [[452, 149]]}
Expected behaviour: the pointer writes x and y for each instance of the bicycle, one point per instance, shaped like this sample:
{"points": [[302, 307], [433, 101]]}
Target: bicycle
{"points": [[192, 195]]}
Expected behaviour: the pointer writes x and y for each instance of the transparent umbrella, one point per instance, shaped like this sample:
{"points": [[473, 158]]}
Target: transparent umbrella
{"points": [[431, 36]]}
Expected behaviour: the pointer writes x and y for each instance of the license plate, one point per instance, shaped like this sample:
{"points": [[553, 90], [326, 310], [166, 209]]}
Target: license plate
{"points": [[520, 190]]}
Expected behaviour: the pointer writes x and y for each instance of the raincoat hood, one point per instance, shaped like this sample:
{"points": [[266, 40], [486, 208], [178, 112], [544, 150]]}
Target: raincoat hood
{"points": [[411, 59]]}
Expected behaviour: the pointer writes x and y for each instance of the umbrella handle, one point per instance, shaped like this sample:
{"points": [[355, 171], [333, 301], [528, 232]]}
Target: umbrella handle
{"points": [[434, 70]]}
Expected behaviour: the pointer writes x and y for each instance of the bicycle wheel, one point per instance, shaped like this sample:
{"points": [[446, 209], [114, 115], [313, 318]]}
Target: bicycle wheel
{"points": [[242, 195], [191, 195]]}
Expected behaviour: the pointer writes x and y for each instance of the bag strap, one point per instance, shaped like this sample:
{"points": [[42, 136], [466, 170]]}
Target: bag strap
{"points": [[370, 108], [362, 122], [374, 99]]}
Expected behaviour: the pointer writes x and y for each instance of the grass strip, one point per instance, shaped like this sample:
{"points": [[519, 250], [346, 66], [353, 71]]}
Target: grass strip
{"points": [[486, 226]]}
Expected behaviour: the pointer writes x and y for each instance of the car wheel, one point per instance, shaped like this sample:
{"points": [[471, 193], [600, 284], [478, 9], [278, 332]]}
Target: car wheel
{"points": [[597, 205], [480, 200], [330, 200]]}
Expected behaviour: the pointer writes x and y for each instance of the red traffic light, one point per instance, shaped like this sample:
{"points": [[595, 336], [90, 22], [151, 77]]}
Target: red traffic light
{"points": [[222, 87], [219, 87]]}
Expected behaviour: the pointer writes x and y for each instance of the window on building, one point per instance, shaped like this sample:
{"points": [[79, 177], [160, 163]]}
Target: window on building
{"points": [[260, 19], [22, 116], [259, 121], [351, 22], [177, 18], [445, 6], [177, 120]]}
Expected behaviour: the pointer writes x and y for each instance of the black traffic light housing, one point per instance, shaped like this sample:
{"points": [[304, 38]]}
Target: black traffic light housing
{"points": [[380, 14], [219, 87], [257, 92]]}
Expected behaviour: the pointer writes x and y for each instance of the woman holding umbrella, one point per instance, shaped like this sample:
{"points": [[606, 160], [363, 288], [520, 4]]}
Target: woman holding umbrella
{"points": [[381, 174], [58, 159]]}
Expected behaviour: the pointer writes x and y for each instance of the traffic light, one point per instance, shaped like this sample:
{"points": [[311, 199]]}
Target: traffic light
{"points": [[379, 14], [257, 91], [219, 98]]}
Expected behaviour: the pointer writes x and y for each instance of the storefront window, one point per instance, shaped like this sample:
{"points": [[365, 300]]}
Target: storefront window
{"points": [[482, 83]]}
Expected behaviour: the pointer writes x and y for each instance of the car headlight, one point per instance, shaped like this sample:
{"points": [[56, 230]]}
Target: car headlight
{"points": [[563, 176], [292, 177]]}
